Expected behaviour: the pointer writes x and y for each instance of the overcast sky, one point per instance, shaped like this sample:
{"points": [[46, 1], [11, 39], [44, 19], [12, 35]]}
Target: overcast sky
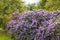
{"points": [[30, 1]]}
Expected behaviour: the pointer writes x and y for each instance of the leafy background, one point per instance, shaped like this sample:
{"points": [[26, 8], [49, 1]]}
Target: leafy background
{"points": [[9, 6]]}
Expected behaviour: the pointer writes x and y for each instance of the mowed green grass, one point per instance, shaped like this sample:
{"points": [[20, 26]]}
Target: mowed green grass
{"points": [[4, 36]]}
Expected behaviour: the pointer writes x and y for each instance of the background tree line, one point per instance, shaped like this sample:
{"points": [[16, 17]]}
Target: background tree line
{"points": [[6, 9]]}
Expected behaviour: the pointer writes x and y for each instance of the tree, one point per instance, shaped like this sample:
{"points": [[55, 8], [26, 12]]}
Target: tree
{"points": [[7, 7], [52, 5], [32, 6], [41, 4]]}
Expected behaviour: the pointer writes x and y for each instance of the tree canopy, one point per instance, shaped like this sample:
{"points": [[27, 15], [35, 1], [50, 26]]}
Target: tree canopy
{"points": [[52, 5], [7, 7], [41, 4]]}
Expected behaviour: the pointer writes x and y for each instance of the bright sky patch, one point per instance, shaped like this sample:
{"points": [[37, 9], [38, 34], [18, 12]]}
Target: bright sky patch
{"points": [[30, 1]]}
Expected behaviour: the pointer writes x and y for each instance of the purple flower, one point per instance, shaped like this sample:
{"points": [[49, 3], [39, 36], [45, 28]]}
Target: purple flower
{"points": [[33, 24], [58, 37]]}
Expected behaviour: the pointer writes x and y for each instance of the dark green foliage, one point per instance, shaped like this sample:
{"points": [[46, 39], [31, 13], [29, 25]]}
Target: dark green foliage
{"points": [[32, 6], [41, 4]]}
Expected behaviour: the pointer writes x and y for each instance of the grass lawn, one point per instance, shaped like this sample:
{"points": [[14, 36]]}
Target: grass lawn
{"points": [[4, 36]]}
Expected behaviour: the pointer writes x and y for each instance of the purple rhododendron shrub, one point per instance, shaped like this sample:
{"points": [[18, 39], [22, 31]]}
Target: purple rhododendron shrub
{"points": [[34, 25]]}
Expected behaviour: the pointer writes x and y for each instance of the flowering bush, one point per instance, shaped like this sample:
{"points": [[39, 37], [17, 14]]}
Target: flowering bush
{"points": [[34, 25]]}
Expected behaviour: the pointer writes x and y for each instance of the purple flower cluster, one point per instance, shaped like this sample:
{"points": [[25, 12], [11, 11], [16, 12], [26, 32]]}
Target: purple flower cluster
{"points": [[34, 25]]}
